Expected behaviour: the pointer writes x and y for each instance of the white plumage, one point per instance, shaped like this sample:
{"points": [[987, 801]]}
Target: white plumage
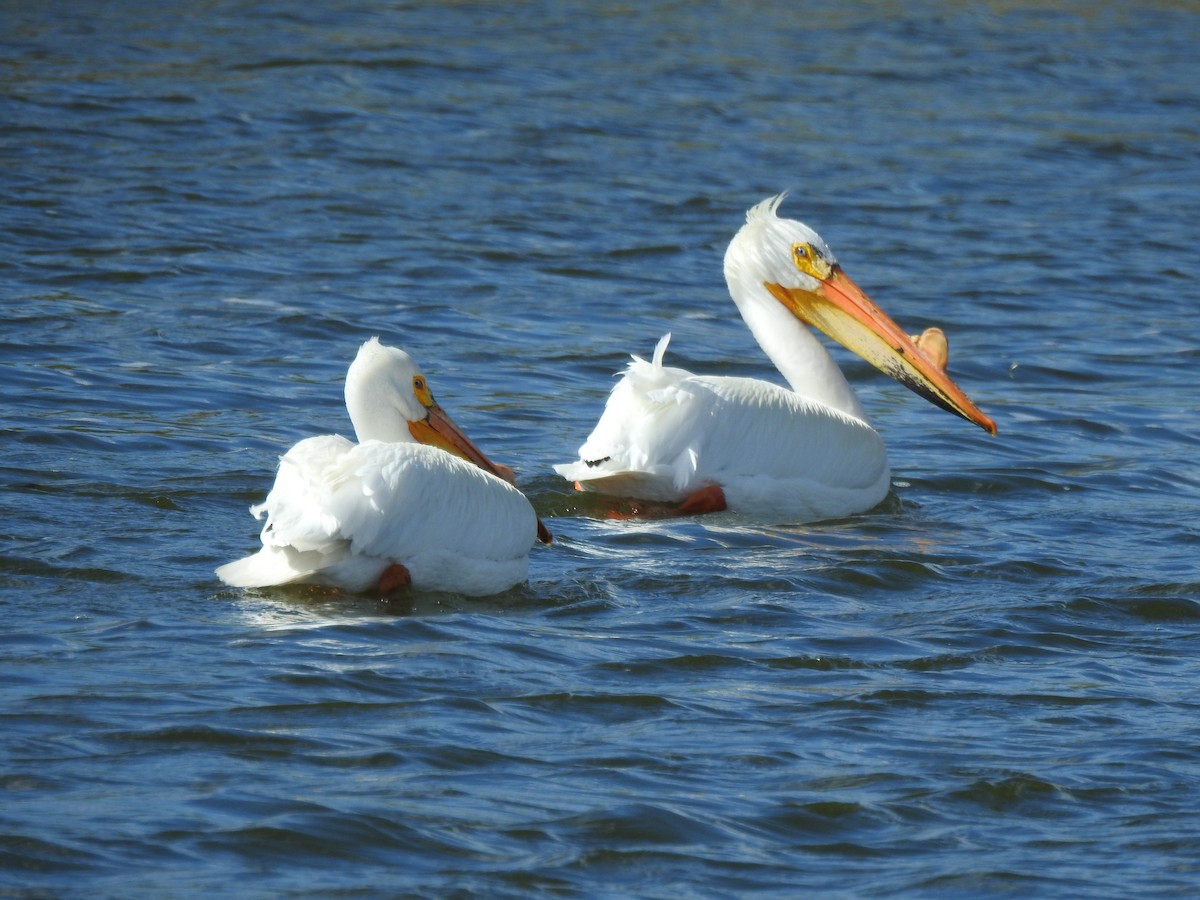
{"points": [[666, 433], [342, 513], [804, 453]]}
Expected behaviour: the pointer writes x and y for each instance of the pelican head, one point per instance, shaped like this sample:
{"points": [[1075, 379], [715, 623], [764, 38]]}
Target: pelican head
{"points": [[389, 399], [381, 393], [798, 269]]}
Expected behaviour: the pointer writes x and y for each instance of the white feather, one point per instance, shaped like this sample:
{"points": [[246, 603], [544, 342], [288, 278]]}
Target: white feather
{"points": [[802, 454], [341, 513], [666, 433]]}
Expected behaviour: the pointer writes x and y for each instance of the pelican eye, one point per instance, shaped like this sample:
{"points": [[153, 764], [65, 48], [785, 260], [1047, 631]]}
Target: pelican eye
{"points": [[421, 389], [810, 261]]}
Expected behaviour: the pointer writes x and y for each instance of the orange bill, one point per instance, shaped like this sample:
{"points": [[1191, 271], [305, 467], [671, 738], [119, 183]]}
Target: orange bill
{"points": [[838, 307]]}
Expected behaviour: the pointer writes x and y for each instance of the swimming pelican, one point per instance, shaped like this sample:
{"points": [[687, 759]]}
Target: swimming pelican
{"points": [[708, 442], [413, 502]]}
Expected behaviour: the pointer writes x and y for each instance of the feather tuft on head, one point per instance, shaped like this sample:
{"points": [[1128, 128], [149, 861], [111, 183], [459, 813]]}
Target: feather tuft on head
{"points": [[766, 209]]}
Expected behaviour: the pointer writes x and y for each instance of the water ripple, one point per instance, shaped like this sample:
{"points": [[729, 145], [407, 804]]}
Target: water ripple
{"points": [[984, 685]]}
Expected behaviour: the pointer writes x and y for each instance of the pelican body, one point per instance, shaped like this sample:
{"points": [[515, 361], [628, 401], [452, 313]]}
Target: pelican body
{"points": [[414, 501], [804, 452]]}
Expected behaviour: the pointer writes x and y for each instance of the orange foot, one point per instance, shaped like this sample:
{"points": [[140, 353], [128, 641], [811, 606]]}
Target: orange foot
{"points": [[706, 500], [394, 578]]}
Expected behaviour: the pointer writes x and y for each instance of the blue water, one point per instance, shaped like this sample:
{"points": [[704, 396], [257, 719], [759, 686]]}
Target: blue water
{"points": [[986, 686]]}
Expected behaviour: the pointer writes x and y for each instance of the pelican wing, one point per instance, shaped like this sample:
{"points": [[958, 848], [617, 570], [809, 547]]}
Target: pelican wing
{"points": [[302, 507], [428, 501], [341, 513], [666, 432], [647, 428]]}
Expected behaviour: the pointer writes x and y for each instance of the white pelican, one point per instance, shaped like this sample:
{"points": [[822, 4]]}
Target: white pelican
{"points": [[704, 442], [402, 506]]}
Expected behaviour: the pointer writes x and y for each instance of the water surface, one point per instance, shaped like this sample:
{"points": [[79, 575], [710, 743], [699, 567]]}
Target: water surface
{"points": [[986, 685]]}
